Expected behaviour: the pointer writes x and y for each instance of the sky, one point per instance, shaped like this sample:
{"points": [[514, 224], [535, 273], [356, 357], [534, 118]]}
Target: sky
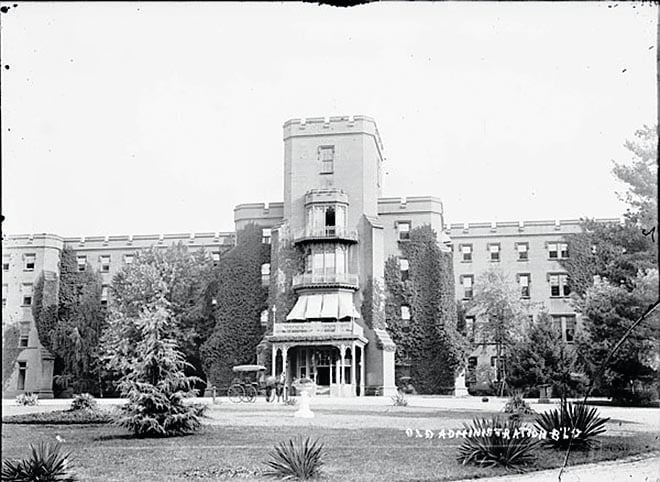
{"points": [[149, 118]]}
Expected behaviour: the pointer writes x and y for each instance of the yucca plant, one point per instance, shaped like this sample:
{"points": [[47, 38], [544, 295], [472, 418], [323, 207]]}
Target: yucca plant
{"points": [[298, 459], [46, 463], [27, 399], [575, 424], [497, 442], [83, 401], [399, 400]]}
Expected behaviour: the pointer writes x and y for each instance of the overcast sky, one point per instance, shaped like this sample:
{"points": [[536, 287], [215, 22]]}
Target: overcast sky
{"points": [[153, 118]]}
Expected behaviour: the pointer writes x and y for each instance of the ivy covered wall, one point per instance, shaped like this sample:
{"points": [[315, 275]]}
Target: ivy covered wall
{"points": [[240, 298], [428, 345]]}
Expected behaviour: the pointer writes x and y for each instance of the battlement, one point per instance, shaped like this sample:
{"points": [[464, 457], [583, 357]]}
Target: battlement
{"points": [[260, 213], [347, 124], [413, 204], [39, 240], [558, 226]]}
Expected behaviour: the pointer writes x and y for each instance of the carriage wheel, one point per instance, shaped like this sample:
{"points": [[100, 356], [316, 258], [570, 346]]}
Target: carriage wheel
{"points": [[236, 393], [250, 394]]}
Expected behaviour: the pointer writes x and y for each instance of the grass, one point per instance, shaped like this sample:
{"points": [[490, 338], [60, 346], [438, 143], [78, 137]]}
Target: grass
{"points": [[235, 452], [60, 417]]}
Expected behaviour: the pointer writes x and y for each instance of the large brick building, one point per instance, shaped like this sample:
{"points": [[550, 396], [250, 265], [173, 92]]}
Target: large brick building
{"points": [[334, 211]]}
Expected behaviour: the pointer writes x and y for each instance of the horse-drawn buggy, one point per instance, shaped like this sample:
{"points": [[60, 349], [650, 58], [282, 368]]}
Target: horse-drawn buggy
{"points": [[247, 384]]}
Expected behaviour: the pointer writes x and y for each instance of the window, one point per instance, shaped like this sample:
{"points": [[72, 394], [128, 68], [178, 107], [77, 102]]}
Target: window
{"points": [[557, 250], [29, 262], [105, 263], [559, 285], [215, 258], [494, 250], [524, 279], [27, 294], [403, 266], [264, 318], [5, 292], [82, 262], [405, 312], [330, 223], [523, 251], [565, 325], [469, 327], [23, 341], [265, 236], [104, 295], [467, 282], [22, 371], [466, 251], [403, 228], [128, 258], [327, 155], [5, 262], [265, 274]]}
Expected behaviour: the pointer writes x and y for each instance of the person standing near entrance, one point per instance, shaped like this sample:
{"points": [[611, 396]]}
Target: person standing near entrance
{"points": [[279, 388], [271, 383]]}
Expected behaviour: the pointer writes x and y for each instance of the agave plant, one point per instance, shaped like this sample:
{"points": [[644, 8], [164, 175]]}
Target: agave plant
{"points": [[574, 424], [46, 463], [399, 400], [296, 459], [497, 442], [83, 401]]}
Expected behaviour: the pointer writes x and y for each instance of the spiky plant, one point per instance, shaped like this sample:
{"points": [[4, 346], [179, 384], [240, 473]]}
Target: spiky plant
{"points": [[399, 400], [83, 401], [298, 459], [574, 424], [496, 442], [46, 463], [27, 399]]}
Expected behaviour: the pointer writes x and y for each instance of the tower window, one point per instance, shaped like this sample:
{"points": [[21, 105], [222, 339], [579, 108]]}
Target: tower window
{"points": [[29, 262], [404, 266], [5, 291], [104, 295], [330, 221], [405, 312], [27, 294], [128, 259], [523, 251], [559, 285], [466, 251], [523, 279], [327, 156], [265, 274], [494, 250], [467, 282], [264, 318], [5, 262], [215, 258]]}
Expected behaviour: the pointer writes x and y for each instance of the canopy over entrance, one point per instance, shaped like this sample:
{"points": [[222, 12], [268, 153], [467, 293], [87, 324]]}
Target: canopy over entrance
{"points": [[336, 306]]}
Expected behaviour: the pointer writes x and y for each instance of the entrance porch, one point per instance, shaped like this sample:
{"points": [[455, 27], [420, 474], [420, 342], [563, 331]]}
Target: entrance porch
{"points": [[336, 368]]}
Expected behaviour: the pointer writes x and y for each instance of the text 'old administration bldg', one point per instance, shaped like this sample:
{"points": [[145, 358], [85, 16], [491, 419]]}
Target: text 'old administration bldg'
{"points": [[332, 209]]}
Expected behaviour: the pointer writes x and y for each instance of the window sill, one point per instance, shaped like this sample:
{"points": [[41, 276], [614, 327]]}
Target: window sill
{"points": [[466, 261], [523, 260], [26, 270], [559, 297]]}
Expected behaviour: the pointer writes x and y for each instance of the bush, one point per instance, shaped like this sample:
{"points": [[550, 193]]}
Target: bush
{"points": [[639, 398], [577, 425], [290, 401], [60, 417], [399, 400], [496, 442], [27, 399], [83, 401], [517, 407], [296, 459], [47, 463]]}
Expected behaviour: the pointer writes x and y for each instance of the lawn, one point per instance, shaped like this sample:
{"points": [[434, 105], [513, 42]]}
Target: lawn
{"points": [[371, 445]]}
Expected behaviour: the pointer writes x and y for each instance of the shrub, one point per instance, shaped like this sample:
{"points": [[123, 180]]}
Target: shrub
{"points": [[296, 459], [576, 424], [517, 407], [83, 401], [27, 399], [640, 398], [290, 401], [399, 400], [497, 442], [47, 463], [60, 417]]}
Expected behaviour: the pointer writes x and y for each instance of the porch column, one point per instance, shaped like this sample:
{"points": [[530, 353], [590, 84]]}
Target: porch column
{"points": [[336, 367], [353, 362], [342, 350], [362, 371], [274, 358], [284, 357]]}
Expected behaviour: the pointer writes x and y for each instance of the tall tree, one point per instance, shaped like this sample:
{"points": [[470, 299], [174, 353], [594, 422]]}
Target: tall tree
{"points": [[500, 315], [140, 346], [610, 311], [184, 276]]}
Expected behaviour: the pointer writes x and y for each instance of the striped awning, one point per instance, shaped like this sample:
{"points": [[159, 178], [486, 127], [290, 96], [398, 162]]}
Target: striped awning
{"points": [[334, 306]]}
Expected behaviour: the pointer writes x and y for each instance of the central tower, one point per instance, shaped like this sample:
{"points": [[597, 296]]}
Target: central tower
{"points": [[332, 182]]}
